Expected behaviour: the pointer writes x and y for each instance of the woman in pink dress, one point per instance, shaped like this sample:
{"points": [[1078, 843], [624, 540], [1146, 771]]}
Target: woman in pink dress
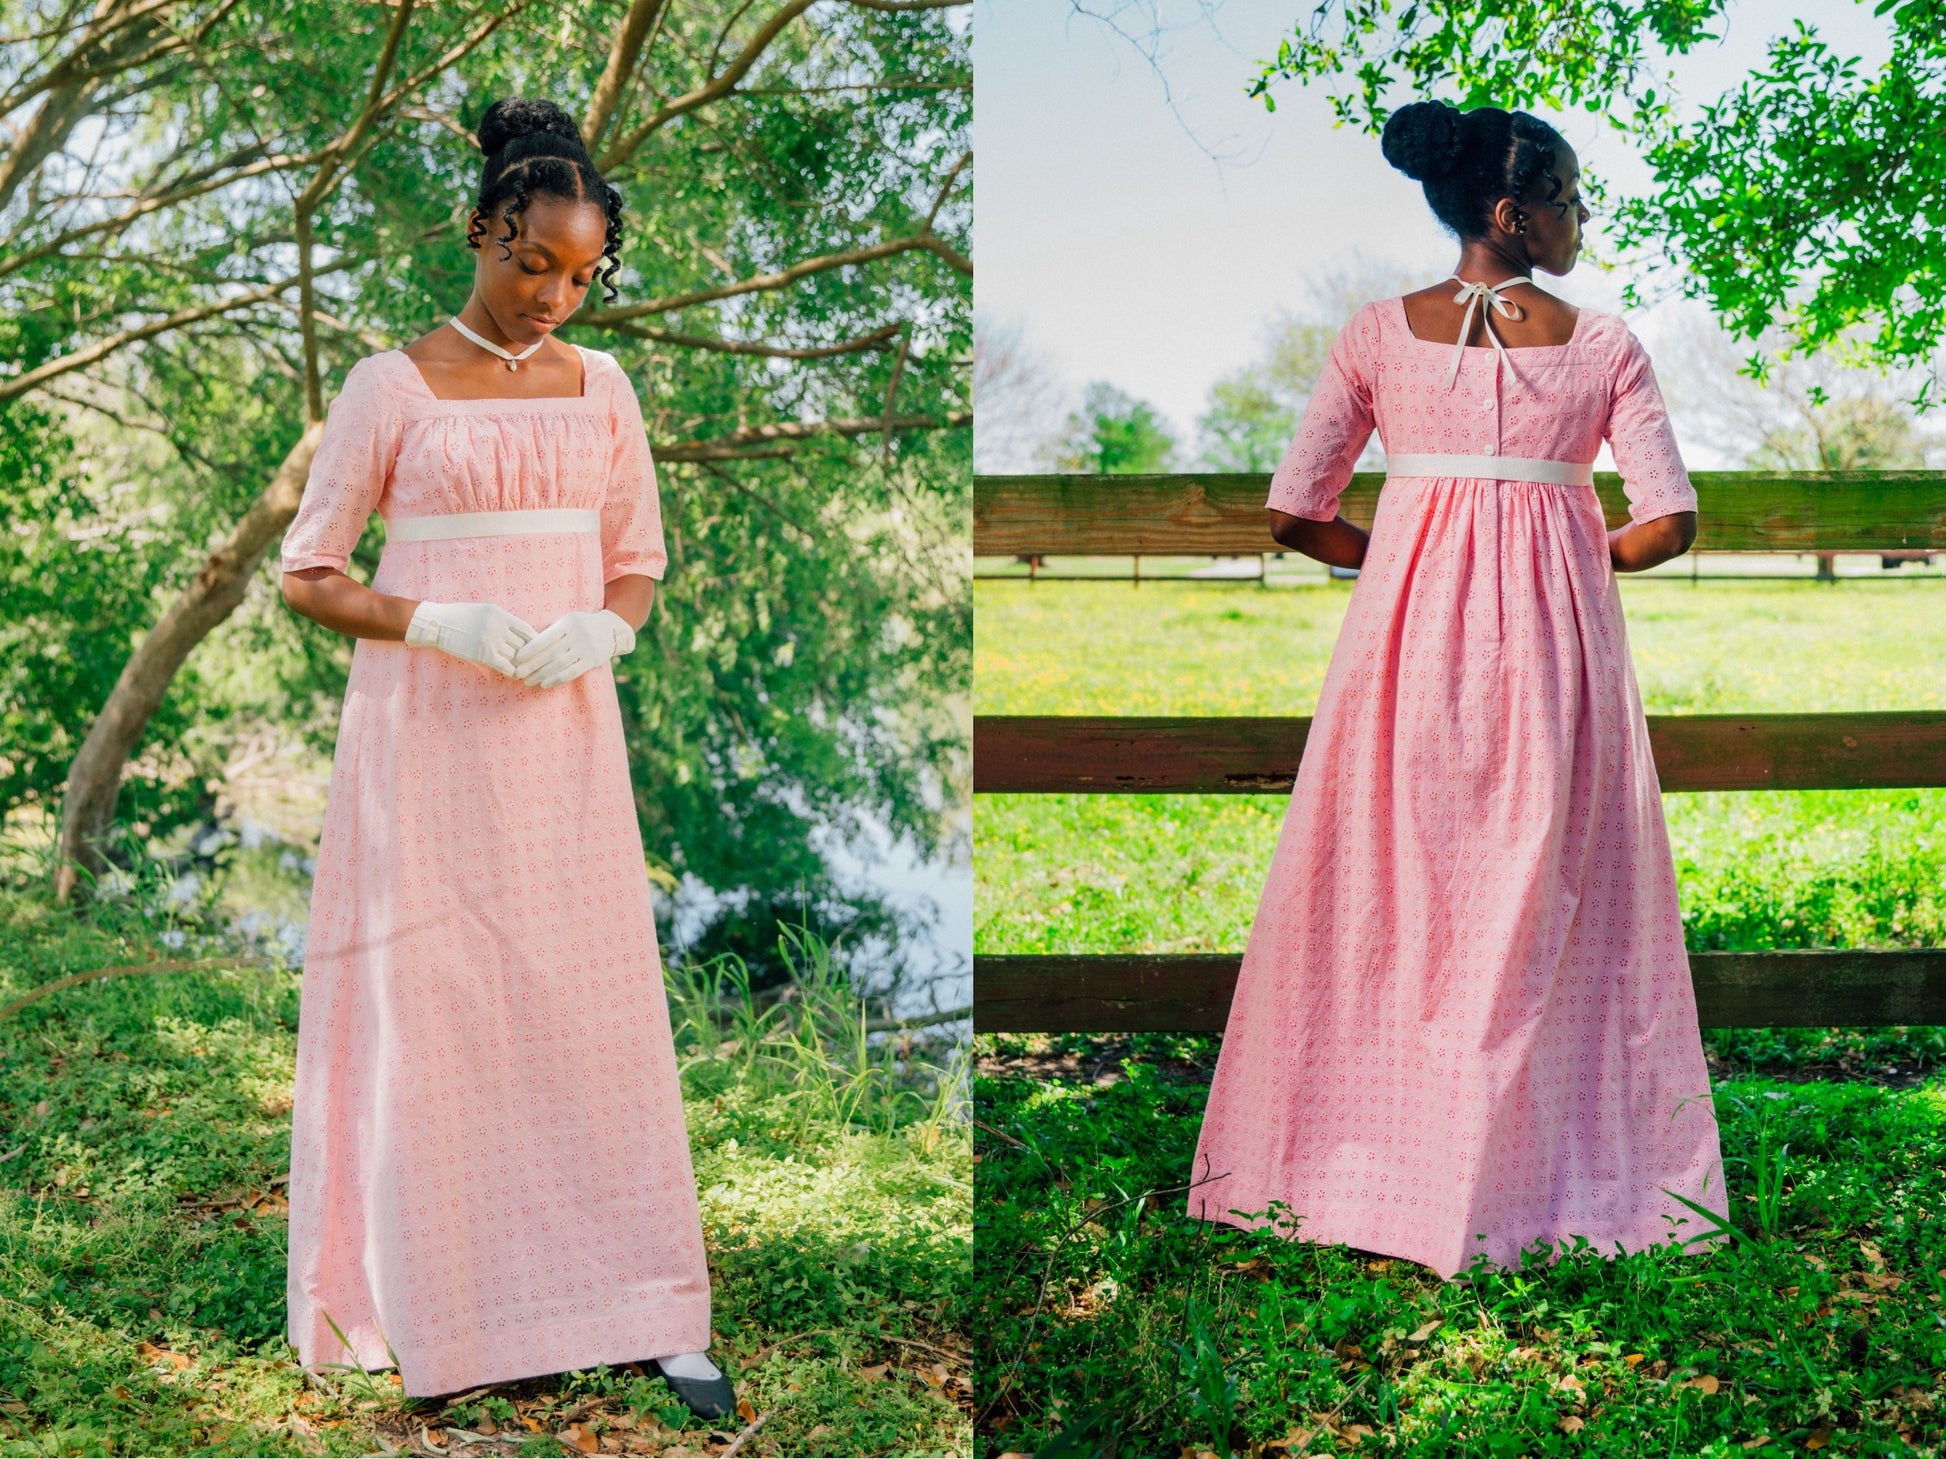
{"points": [[1465, 1022], [490, 1174]]}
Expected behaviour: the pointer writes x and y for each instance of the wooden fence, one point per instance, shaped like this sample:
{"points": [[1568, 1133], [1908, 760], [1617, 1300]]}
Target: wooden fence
{"points": [[1739, 511]]}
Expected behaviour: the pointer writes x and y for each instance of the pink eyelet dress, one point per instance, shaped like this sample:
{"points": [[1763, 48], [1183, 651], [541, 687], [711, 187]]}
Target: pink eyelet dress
{"points": [[1465, 1021], [489, 1166]]}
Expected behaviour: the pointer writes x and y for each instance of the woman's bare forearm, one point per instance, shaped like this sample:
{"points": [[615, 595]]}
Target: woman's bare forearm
{"points": [[1338, 542], [629, 596], [1642, 545], [329, 597], [349, 607]]}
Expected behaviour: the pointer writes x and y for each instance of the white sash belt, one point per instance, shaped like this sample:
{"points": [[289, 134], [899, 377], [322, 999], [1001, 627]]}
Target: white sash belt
{"points": [[1493, 468], [493, 524]]}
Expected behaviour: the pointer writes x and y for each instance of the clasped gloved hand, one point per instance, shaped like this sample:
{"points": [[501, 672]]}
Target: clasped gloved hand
{"points": [[570, 646], [480, 633]]}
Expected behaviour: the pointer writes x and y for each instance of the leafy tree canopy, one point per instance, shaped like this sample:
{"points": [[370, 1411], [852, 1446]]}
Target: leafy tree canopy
{"points": [[1114, 432], [1809, 196]]}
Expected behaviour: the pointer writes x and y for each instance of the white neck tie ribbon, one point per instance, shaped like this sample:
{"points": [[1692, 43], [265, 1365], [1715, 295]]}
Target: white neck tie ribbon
{"points": [[1471, 295], [513, 360]]}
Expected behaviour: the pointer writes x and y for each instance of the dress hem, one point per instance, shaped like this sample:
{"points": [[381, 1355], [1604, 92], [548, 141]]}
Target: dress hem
{"points": [[549, 1349], [1381, 1242]]}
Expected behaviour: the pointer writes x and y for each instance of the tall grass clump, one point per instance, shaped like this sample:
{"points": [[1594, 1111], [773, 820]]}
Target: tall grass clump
{"points": [[814, 1046]]}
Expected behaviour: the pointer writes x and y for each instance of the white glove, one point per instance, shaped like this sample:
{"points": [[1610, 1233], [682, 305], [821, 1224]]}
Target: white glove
{"points": [[570, 646], [480, 633]]}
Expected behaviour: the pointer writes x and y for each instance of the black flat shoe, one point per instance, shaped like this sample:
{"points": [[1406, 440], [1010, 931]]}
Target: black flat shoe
{"points": [[704, 1397]]}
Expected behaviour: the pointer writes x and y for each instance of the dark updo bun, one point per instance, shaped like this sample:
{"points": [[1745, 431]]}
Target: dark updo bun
{"points": [[533, 149], [1469, 160], [1422, 139], [519, 117]]}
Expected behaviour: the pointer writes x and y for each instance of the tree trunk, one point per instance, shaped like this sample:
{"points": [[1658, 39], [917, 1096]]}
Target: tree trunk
{"points": [[95, 777]]}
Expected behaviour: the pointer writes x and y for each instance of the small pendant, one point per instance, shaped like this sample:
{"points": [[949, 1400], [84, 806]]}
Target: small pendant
{"points": [[513, 364]]}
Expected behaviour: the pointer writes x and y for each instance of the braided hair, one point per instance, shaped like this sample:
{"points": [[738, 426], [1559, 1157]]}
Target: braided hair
{"points": [[1469, 160], [533, 149]]}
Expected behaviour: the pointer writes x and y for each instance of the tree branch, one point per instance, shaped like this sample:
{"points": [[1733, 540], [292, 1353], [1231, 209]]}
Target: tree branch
{"points": [[101, 348], [495, 19], [892, 396], [623, 55], [319, 188], [945, 190], [874, 340], [718, 86], [730, 481], [954, 259], [823, 263], [725, 448], [156, 202]]}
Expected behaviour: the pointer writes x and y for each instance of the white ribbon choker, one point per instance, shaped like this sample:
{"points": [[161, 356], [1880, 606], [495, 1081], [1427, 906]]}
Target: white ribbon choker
{"points": [[1470, 295], [513, 360]]}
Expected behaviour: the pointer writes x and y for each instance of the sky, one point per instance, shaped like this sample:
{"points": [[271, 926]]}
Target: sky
{"points": [[1143, 223]]}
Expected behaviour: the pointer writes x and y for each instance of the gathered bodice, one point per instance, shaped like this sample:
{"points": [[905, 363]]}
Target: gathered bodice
{"points": [[1544, 402], [393, 447], [499, 454]]}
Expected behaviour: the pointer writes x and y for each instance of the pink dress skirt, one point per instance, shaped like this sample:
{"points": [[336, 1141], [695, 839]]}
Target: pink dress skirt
{"points": [[1465, 1021]]}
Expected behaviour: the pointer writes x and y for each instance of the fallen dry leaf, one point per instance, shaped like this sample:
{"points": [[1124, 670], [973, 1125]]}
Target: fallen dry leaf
{"points": [[578, 1438], [153, 1354], [1632, 1358], [1705, 1381], [1426, 1330], [1573, 1425], [1756, 1443], [533, 1424], [1881, 1281], [746, 1410], [1818, 1439], [875, 1372], [1872, 1254], [1357, 1433]]}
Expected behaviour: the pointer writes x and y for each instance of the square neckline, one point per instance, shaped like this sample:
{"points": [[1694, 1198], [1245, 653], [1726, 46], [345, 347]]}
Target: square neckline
{"points": [[426, 390], [1574, 335]]}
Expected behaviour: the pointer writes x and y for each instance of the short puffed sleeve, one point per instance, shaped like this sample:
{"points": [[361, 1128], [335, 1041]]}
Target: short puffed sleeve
{"points": [[631, 510], [1639, 433], [1338, 421], [348, 473]]}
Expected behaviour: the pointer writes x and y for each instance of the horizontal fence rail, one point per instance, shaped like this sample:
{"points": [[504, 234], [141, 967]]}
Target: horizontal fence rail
{"points": [[1198, 514], [1260, 754], [1190, 993]]}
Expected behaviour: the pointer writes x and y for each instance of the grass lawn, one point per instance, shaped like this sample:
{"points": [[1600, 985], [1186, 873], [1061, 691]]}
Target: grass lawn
{"points": [[1235, 648], [1111, 1323], [144, 1145]]}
